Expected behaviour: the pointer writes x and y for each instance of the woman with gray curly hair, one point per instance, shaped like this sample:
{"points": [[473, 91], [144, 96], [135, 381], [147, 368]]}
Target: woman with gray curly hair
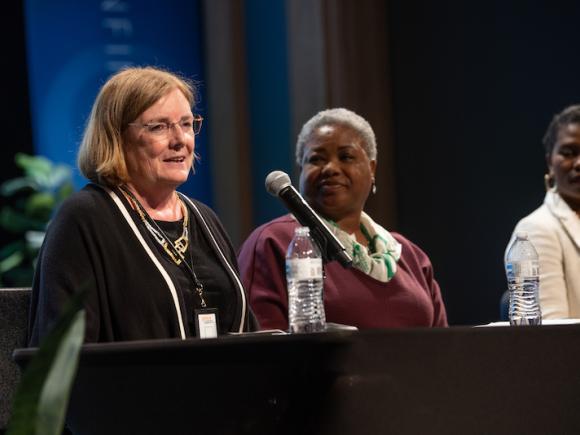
{"points": [[391, 283]]}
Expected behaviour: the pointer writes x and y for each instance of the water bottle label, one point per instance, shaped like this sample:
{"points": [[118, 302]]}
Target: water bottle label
{"points": [[523, 268], [509, 268], [305, 268]]}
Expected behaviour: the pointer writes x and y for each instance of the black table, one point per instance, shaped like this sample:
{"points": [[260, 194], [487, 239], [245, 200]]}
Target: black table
{"points": [[496, 380]]}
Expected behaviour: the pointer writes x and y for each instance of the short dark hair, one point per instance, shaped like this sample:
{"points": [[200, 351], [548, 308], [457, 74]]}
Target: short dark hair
{"points": [[570, 115]]}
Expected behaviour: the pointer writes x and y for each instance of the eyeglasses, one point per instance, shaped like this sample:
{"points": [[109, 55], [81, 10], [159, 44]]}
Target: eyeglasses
{"points": [[162, 129]]}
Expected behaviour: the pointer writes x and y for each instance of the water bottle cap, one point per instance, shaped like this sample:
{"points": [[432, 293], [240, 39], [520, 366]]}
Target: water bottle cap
{"points": [[302, 231], [522, 235]]}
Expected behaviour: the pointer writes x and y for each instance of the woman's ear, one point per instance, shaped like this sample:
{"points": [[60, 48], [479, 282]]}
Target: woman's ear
{"points": [[549, 181], [373, 165], [549, 161]]}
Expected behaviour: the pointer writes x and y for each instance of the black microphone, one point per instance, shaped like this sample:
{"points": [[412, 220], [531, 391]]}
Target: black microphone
{"points": [[278, 184]]}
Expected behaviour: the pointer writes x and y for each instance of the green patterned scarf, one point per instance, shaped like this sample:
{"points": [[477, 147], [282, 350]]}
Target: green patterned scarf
{"points": [[379, 259]]}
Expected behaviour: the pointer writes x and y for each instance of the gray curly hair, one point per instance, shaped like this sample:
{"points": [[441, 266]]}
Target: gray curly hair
{"points": [[337, 116]]}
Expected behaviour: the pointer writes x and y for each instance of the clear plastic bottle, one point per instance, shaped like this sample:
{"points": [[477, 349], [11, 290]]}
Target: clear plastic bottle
{"points": [[305, 282], [523, 276]]}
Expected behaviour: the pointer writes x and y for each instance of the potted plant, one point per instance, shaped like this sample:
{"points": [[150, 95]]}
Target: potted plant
{"points": [[30, 201]]}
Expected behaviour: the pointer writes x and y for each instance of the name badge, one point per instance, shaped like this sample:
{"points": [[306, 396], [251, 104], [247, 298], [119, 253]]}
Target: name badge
{"points": [[206, 323]]}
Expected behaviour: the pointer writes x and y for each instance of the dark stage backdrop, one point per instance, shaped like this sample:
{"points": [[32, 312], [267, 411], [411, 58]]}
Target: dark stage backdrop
{"points": [[475, 85], [16, 135]]}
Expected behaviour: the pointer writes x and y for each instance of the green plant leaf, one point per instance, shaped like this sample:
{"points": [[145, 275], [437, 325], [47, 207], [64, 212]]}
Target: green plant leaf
{"points": [[11, 187], [11, 248], [40, 205], [14, 262], [34, 240], [17, 222], [64, 191], [11, 262], [36, 167], [20, 276], [41, 400], [56, 391], [58, 175]]}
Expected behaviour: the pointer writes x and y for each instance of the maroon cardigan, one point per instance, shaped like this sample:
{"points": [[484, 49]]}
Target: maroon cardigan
{"points": [[411, 298]]}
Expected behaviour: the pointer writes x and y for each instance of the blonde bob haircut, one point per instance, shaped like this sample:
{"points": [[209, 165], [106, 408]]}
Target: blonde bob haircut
{"points": [[121, 100]]}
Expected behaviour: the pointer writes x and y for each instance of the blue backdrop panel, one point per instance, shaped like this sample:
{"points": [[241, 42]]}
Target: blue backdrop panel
{"points": [[73, 47], [269, 100]]}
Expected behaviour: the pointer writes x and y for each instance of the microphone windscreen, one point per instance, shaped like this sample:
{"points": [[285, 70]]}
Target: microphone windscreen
{"points": [[276, 181]]}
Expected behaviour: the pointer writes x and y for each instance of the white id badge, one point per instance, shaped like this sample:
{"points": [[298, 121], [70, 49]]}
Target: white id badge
{"points": [[206, 323]]}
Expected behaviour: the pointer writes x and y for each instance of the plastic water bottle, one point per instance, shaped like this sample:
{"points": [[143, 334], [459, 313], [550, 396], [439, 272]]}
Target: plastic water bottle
{"points": [[523, 275], [304, 279]]}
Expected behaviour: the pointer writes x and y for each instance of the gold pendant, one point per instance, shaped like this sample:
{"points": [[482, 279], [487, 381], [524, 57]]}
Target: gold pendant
{"points": [[181, 244]]}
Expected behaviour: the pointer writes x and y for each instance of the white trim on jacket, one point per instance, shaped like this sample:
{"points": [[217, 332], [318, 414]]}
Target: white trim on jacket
{"points": [[161, 269], [231, 269]]}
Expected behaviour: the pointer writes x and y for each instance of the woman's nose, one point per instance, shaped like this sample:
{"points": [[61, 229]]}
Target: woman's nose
{"points": [[331, 166], [177, 137], [176, 144], [175, 130]]}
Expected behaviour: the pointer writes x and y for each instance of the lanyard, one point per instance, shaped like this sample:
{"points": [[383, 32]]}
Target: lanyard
{"points": [[167, 245]]}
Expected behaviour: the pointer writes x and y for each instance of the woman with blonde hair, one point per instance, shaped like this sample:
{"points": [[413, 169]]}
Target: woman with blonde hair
{"points": [[151, 260]]}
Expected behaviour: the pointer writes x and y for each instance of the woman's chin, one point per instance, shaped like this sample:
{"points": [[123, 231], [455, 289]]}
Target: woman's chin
{"points": [[174, 182], [176, 176], [332, 212]]}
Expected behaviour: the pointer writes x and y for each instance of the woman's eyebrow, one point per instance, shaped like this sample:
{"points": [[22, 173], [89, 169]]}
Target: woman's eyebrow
{"points": [[570, 141], [167, 119]]}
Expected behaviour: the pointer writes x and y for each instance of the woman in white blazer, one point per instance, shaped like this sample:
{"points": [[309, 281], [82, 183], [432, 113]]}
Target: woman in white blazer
{"points": [[554, 228]]}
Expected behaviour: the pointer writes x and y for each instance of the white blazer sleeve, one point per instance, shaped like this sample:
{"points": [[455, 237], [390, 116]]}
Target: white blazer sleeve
{"points": [[553, 291]]}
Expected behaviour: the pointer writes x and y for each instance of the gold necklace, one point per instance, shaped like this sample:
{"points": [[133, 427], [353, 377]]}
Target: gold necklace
{"points": [[180, 244]]}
